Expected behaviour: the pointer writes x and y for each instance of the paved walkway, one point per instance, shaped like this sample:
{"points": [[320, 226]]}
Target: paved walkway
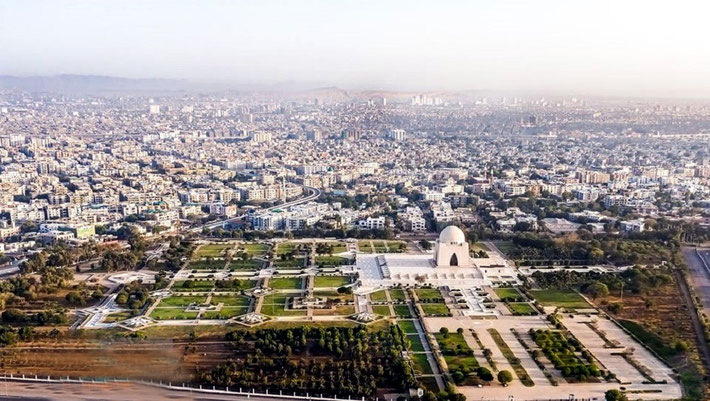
{"points": [[543, 389]]}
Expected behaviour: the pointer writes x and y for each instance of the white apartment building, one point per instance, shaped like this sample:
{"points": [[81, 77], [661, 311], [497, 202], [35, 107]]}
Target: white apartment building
{"points": [[372, 223]]}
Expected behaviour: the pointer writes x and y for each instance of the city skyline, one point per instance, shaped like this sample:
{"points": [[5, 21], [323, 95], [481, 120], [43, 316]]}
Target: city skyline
{"points": [[628, 49]]}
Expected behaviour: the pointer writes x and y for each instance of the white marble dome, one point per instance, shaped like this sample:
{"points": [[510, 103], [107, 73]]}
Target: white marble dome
{"points": [[452, 235]]}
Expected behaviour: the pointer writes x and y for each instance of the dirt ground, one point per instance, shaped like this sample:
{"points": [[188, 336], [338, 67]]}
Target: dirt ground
{"points": [[164, 360], [666, 315]]}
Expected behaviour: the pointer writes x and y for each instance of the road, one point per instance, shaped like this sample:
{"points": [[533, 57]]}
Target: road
{"points": [[11, 390], [314, 194], [699, 272], [699, 268]]}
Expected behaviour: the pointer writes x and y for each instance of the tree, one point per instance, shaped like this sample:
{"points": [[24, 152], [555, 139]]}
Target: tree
{"points": [[615, 395], [505, 377], [484, 374], [597, 289], [596, 255], [426, 245], [75, 298]]}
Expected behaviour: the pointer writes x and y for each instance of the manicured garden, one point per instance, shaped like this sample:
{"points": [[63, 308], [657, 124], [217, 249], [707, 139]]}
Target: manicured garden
{"points": [[331, 281], [521, 309], [182, 300], [461, 362], [364, 246], [562, 298], [396, 246], [249, 264], [172, 314], [397, 294], [230, 300], [331, 261], [429, 295], [213, 250], [206, 264], [402, 311], [290, 263], [407, 326], [255, 249], [378, 296], [285, 248], [509, 294], [415, 343], [421, 364], [226, 312], [193, 285], [512, 359], [566, 354], [383, 310], [435, 309], [285, 283]]}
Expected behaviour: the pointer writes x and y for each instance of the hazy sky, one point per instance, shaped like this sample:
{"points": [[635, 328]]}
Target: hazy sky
{"points": [[592, 46]]}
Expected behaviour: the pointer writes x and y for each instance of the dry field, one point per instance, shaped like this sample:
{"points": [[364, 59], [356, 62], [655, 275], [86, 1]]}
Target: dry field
{"points": [[157, 360]]}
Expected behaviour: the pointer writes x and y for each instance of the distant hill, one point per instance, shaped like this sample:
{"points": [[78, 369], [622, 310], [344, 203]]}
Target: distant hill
{"points": [[90, 84]]}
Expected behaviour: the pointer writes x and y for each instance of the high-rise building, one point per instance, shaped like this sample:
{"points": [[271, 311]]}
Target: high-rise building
{"points": [[397, 134], [314, 135]]}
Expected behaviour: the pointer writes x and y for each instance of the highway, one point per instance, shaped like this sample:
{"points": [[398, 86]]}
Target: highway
{"points": [[314, 194], [128, 391], [698, 260]]}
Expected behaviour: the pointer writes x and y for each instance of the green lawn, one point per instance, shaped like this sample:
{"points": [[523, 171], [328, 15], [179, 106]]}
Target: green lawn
{"points": [[250, 264], [182, 300], [230, 300], [172, 314], [416, 343], [479, 246], [234, 285], [396, 246], [280, 310], [504, 293], [225, 313], [428, 294], [203, 264], [457, 353], [332, 294], [407, 326], [295, 262], [421, 364], [383, 310], [402, 311], [397, 294], [378, 296], [436, 309], [193, 285], [380, 249], [276, 299], [521, 308], [331, 281], [338, 247], [285, 247], [212, 250], [339, 310], [285, 283], [255, 249], [561, 298], [507, 247], [331, 260], [117, 317], [364, 246]]}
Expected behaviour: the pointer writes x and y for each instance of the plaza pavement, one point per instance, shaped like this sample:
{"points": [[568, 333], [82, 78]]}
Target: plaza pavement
{"points": [[543, 389]]}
